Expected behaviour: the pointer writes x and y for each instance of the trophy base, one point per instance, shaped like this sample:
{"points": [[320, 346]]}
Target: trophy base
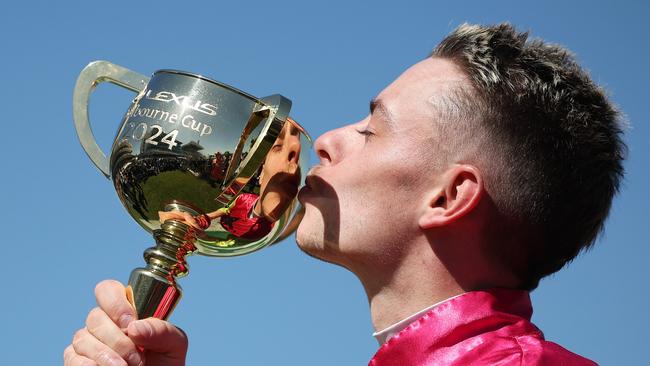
{"points": [[153, 290]]}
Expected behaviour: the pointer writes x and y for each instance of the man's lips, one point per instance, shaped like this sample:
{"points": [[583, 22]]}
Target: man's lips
{"points": [[309, 187], [310, 181]]}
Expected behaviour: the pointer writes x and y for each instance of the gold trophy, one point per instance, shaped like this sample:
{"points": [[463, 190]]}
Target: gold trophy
{"points": [[205, 167]]}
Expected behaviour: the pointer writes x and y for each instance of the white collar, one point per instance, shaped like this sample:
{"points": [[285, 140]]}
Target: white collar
{"points": [[384, 335]]}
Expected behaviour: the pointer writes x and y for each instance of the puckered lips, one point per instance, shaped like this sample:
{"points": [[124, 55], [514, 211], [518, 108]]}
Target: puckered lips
{"points": [[310, 187]]}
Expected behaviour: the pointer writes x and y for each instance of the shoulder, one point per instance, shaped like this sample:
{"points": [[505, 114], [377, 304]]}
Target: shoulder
{"points": [[535, 350], [246, 198], [502, 350], [523, 350], [513, 350]]}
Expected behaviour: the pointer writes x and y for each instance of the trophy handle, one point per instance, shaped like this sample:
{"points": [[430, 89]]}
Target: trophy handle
{"points": [[273, 112], [97, 72]]}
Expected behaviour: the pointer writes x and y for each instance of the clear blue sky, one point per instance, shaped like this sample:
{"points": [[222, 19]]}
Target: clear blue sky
{"points": [[63, 228]]}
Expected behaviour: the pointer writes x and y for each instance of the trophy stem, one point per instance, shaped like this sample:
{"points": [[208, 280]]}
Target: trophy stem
{"points": [[153, 290]]}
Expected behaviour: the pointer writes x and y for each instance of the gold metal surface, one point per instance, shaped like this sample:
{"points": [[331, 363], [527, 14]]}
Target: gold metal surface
{"points": [[205, 167], [155, 291]]}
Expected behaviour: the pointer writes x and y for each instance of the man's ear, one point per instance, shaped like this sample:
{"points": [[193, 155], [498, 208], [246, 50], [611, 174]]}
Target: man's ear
{"points": [[460, 191]]}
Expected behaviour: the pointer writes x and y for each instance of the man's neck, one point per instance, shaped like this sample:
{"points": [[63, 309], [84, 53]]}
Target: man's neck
{"points": [[417, 282]]}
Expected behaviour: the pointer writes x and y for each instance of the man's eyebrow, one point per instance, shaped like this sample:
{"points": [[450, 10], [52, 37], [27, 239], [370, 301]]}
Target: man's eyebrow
{"points": [[376, 104]]}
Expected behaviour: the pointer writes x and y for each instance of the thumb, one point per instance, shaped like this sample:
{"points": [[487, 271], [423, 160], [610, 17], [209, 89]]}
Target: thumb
{"points": [[159, 336]]}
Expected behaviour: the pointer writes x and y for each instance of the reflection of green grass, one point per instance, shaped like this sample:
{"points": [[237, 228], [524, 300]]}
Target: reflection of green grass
{"points": [[184, 187]]}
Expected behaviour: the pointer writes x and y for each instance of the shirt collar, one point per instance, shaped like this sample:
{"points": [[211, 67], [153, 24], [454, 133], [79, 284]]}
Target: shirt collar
{"points": [[385, 334], [461, 318]]}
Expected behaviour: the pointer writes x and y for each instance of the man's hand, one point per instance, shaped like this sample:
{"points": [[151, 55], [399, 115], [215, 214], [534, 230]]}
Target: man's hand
{"points": [[113, 336], [178, 215]]}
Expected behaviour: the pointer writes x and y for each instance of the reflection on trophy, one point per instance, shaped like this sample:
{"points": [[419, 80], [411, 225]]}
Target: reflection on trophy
{"points": [[205, 167]]}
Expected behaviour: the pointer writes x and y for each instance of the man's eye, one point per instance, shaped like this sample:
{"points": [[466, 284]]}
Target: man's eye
{"points": [[367, 133], [277, 147]]}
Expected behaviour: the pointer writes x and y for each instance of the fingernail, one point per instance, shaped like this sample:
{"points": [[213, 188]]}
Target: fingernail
{"points": [[142, 328], [125, 320], [134, 358]]}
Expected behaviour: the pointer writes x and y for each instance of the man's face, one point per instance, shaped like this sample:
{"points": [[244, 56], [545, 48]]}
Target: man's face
{"points": [[374, 176], [280, 175]]}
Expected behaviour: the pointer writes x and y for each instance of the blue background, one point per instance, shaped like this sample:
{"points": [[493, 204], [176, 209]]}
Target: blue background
{"points": [[63, 228]]}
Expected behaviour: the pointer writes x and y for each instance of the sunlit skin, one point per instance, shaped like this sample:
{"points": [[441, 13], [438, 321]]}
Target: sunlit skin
{"points": [[410, 232], [377, 203]]}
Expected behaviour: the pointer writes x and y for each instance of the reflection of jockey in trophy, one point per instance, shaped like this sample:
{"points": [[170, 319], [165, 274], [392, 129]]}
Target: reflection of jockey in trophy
{"points": [[218, 167], [239, 219], [250, 216]]}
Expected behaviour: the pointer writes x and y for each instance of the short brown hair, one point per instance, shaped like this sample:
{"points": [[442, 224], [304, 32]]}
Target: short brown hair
{"points": [[556, 134]]}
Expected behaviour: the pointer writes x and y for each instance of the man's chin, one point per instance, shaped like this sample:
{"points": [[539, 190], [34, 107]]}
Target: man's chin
{"points": [[310, 241], [304, 238], [316, 251]]}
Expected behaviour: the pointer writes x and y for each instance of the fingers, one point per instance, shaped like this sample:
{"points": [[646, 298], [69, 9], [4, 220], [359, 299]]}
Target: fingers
{"points": [[111, 298], [70, 358], [177, 215], [169, 215], [103, 342], [190, 220], [100, 326], [164, 216], [87, 346], [159, 336]]}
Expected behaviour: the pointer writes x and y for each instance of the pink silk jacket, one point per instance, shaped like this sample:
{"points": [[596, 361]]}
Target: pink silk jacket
{"points": [[477, 328]]}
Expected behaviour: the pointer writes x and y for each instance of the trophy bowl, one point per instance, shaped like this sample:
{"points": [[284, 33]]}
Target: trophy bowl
{"points": [[205, 167]]}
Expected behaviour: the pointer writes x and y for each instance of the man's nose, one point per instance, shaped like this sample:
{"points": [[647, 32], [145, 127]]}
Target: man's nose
{"points": [[293, 149], [332, 146]]}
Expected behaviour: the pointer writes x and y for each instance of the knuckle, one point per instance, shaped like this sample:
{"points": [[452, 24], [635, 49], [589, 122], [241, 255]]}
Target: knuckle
{"points": [[118, 313], [111, 297], [181, 332], [78, 338], [123, 346], [68, 354], [183, 340], [94, 317], [79, 334], [170, 331], [107, 357], [106, 285], [76, 360]]}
